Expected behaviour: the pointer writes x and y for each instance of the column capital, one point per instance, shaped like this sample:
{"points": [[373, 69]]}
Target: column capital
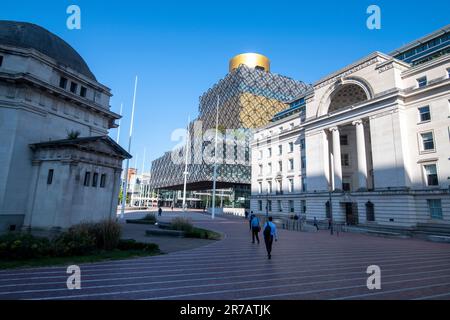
{"points": [[335, 128], [358, 122]]}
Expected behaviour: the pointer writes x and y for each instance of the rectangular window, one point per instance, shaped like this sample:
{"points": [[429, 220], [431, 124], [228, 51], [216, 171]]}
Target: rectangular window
{"points": [[291, 185], [259, 187], [427, 141], [280, 150], [280, 206], [291, 164], [50, 176], [431, 176], [269, 186], [63, 83], [422, 82], [435, 208], [1, 61], [345, 159], [344, 139], [87, 178], [269, 151], [83, 91], [280, 186], [303, 162], [260, 169], [103, 181], [291, 147], [269, 205], [424, 114], [291, 206], [73, 87], [260, 205], [303, 206], [304, 186], [280, 166], [269, 168], [95, 179]]}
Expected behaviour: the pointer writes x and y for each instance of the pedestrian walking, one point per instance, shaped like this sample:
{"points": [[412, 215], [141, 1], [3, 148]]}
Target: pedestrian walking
{"points": [[159, 211], [316, 224], [255, 228], [246, 214], [270, 233]]}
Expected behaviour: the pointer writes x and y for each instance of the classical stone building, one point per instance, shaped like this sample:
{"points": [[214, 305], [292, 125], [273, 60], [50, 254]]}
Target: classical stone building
{"points": [[47, 95], [376, 142]]}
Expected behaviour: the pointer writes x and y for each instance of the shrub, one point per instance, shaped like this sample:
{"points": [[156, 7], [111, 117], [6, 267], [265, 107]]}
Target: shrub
{"points": [[131, 244], [78, 240], [23, 246], [107, 234], [181, 224], [150, 218]]}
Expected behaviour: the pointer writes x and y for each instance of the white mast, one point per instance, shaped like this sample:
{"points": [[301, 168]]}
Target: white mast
{"points": [[141, 186], [188, 137], [215, 162], [125, 191]]}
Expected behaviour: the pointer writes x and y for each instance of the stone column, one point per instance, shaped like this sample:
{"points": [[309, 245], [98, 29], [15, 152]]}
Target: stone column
{"points": [[337, 158], [361, 154], [116, 184]]}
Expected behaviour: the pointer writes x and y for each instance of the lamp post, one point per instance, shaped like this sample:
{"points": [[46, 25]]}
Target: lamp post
{"points": [[331, 212]]}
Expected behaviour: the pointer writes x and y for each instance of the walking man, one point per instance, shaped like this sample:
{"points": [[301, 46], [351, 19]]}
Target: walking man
{"points": [[316, 224], [159, 211], [255, 228], [270, 233]]}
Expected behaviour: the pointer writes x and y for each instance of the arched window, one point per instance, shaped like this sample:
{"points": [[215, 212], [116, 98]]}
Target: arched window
{"points": [[370, 211], [346, 96]]}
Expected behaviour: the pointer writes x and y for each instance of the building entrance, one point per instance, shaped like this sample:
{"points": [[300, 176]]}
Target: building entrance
{"points": [[351, 213]]}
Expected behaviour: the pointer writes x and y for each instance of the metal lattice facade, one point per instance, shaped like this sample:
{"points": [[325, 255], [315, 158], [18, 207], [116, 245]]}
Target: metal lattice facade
{"points": [[248, 99]]}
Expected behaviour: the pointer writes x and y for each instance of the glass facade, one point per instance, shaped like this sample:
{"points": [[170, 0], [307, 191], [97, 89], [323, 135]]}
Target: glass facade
{"points": [[245, 99]]}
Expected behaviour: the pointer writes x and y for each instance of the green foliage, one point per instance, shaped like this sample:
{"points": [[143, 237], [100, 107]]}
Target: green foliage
{"points": [[23, 246], [77, 241], [181, 224], [131, 244], [80, 240], [150, 217], [73, 135], [107, 234]]}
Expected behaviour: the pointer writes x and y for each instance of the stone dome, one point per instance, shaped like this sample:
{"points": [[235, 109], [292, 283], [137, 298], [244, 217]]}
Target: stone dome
{"points": [[31, 36]]}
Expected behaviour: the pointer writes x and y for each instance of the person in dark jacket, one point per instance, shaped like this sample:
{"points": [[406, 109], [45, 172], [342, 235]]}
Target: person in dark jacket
{"points": [[270, 233], [316, 224], [255, 228], [159, 211]]}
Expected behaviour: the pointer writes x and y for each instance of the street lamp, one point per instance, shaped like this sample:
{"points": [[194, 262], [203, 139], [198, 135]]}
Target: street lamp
{"points": [[330, 207]]}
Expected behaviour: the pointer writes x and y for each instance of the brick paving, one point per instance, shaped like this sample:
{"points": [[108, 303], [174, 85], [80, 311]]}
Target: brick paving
{"points": [[303, 266]]}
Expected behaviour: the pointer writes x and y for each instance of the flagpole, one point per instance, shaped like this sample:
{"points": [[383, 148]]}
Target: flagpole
{"points": [[142, 180], [213, 211], [188, 137], [124, 195]]}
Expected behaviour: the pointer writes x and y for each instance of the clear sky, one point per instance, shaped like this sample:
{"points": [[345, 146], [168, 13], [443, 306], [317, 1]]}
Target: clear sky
{"points": [[181, 48]]}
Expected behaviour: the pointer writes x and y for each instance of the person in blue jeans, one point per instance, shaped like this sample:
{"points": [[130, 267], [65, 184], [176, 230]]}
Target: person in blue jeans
{"points": [[255, 228], [270, 233]]}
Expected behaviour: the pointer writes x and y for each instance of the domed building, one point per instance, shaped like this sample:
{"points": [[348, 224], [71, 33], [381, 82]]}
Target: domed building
{"points": [[58, 166]]}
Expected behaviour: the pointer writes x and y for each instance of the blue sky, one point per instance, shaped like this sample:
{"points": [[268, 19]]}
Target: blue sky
{"points": [[179, 49]]}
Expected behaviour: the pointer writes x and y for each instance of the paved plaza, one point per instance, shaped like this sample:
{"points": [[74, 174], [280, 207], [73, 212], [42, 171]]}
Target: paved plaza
{"points": [[304, 265]]}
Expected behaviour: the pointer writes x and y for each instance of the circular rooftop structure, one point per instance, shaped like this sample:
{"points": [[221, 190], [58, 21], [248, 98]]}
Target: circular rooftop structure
{"points": [[31, 36], [251, 60]]}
